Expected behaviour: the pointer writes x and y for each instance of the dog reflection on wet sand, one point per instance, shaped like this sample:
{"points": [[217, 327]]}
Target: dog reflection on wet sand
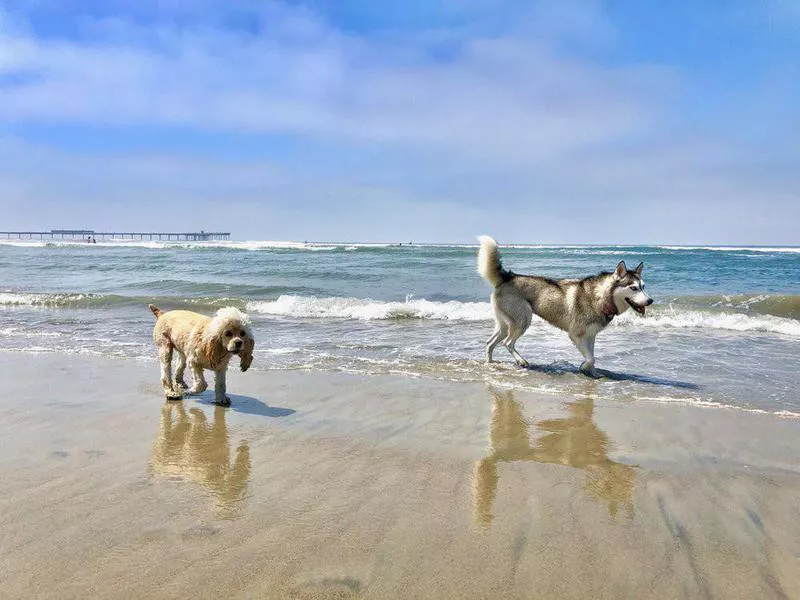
{"points": [[189, 447], [575, 441]]}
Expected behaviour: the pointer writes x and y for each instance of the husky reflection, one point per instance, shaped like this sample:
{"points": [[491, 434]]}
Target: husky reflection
{"points": [[187, 446], [575, 441]]}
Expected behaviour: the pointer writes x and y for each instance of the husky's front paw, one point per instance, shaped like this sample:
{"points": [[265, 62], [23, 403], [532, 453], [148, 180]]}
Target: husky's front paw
{"points": [[223, 401], [588, 370], [523, 363]]}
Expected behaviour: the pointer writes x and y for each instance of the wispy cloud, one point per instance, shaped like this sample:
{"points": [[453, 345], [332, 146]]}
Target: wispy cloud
{"points": [[497, 97], [494, 114]]}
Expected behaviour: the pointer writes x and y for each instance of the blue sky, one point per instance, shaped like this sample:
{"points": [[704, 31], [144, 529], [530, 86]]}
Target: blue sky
{"points": [[573, 122]]}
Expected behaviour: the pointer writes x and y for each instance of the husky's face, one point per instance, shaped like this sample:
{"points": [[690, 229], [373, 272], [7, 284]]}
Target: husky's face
{"points": [[629, 289]]}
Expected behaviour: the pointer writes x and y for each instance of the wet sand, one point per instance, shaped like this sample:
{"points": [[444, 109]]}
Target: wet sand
{"points": [[316, 485]]}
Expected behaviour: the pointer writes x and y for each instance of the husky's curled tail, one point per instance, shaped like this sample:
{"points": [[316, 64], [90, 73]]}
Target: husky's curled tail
{"points": [[489, 265]]}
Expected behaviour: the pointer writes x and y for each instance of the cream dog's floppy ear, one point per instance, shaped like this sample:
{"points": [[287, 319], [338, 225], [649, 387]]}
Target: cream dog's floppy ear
{"points": [[246, 353], [213, 349]]}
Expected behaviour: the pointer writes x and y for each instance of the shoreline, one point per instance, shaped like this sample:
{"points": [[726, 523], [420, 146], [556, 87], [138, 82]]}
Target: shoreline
{"points": [[559, 378], [321, 485]]}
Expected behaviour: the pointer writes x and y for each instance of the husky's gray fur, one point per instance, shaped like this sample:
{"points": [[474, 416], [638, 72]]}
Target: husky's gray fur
{"points": [[581, 307]]}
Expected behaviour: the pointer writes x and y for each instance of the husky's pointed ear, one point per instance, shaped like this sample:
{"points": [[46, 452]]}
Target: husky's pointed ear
{"points": [[638, 270], [621, 270]]}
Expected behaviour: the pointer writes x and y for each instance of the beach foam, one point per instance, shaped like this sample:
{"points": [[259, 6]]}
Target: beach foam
{"points": [[311, 307], [21, 299], [783, 249], [167, 244], [670, 318], [370, 310], [697, 402]]}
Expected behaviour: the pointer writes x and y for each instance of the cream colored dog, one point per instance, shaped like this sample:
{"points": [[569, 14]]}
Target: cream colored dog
{"points": [[203, 343]]}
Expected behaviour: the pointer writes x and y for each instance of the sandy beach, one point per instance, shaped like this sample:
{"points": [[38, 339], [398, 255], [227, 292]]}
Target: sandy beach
{"points": [[324, 485], [515, 287]]}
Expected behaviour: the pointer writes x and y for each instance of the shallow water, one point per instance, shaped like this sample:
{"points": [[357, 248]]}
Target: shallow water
{"points": [[724, 331]]}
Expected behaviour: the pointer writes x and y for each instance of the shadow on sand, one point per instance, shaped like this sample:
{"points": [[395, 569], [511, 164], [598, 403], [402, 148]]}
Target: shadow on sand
{"points": [[565, 368], [246, 405]]}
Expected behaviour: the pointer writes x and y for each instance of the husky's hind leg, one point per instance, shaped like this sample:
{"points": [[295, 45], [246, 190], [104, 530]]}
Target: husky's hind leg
{"points": [[511, 340], [500, 332], [513, 315], [518, 319]]}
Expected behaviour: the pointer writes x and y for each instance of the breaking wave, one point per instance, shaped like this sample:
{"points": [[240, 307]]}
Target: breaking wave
{"points": [[52, 300], [80, 300], [215, 245], [330, 246], [311, 307], [781, 249], [723, 313], [766, 304], [696, 319]]}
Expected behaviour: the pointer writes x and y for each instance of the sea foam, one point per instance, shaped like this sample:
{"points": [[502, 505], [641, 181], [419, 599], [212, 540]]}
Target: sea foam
{"points": [[695, 319], [371, 310], [311, 307]]}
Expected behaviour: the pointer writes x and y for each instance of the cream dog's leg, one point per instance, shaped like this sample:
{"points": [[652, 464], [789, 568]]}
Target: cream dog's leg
{"points": [[199, 384], [165, 354], [219, 388], [179, 371]]}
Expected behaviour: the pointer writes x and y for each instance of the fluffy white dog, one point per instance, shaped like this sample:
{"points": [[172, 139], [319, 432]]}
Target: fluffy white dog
{"points": [[202, 342]]}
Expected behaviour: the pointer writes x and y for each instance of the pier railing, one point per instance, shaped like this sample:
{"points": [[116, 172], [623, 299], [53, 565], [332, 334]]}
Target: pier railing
{"points": [[90, 234]]}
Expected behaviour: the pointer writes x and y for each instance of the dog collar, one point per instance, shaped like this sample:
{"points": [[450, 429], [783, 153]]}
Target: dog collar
{"points": [[610, 311]]}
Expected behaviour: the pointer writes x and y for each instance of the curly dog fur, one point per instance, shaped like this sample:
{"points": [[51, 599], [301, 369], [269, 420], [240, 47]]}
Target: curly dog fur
{"points": [[201, 342]]}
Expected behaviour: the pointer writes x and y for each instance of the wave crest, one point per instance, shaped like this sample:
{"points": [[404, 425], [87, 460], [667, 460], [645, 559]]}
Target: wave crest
{"points": [[762, 249], [191, 245], [371, 310], [312, 307], [695, 319], [49, 300]]}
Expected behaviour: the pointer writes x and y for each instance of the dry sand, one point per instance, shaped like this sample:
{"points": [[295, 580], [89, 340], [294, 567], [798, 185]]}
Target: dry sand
{"points": [[316, 485]]}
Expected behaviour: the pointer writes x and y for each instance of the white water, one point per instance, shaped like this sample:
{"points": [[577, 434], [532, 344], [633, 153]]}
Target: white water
{"points": [[783, 249], [310, 307], [371, 310]]}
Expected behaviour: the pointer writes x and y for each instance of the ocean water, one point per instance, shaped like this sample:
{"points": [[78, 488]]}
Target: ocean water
{"points": [[724, 332]]}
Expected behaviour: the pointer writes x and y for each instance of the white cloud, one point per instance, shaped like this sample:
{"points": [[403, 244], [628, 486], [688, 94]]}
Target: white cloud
{"points": [[500, 98], [434, 134]]}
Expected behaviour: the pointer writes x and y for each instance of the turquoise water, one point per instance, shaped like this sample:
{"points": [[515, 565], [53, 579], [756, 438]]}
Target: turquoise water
{"points": [[724, 332]]}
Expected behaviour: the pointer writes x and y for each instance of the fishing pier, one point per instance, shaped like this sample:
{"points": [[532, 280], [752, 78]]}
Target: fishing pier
{"points": [[84, 234]]}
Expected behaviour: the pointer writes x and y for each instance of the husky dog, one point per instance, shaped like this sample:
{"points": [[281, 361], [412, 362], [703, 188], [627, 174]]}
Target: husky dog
{"points": [[581, 307]]}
